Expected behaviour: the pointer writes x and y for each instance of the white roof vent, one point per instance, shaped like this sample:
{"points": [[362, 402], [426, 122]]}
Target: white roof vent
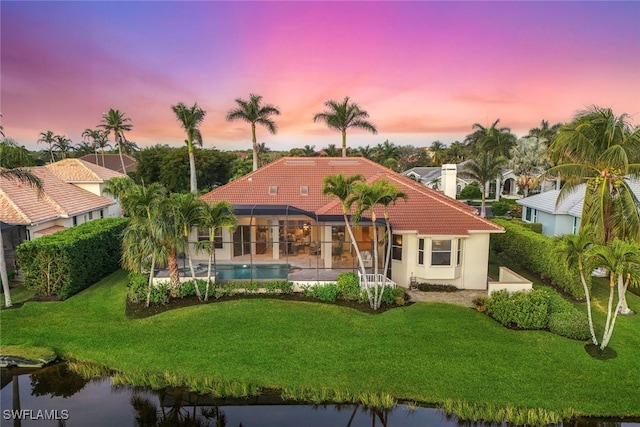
{"points": [[273, 189]]}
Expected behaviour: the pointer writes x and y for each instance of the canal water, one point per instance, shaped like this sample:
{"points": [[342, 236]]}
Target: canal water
{"points": [[55, 396]]}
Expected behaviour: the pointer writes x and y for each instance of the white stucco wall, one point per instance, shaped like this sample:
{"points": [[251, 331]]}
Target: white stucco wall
{"points": [[470, 274]]}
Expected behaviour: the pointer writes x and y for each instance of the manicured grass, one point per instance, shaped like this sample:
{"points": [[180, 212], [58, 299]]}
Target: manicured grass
{"points": [[424, 352], [18, 295]]}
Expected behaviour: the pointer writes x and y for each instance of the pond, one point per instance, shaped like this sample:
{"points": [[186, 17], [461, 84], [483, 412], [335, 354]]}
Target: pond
{"points": [[55, 396]]}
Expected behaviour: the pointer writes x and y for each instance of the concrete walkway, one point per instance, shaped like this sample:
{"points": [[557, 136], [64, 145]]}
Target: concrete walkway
{"points": [[463, 298]]}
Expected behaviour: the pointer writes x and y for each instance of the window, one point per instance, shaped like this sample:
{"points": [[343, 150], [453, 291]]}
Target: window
{"points": [[459, 254], [90, 216], [203, 236], [75, 221], [575, 225], [101, 213], [396, 247], [441, 252], [420, 251], [530, 214]]}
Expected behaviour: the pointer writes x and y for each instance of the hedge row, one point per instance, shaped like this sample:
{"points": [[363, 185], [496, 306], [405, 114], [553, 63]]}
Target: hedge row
{"points": [[537, 253], [64, 263]]}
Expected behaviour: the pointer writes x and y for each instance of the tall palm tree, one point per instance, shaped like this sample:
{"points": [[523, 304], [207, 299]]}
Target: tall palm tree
{"points": [[342, 116], [385, 151], [116, 122], [366, 152], [214, 217], [575, 249], [601, 150], [483, 168], [494, 139], [63, 145], [99, 140], [367, 198], [23, 176], [252, 111], [455, 153], [48, 137], [2, 127], [622, 261], [190, 119], [342, 188], [309, 151], [90, 136], [187, 211]]}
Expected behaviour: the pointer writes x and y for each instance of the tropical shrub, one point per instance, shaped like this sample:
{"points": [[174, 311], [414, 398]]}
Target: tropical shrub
{"points": [[349, 287], [571, 324], [328, 292], [471, 191], [188, 289], [64, 263], [501, 207], [524, 310], [278, 286], [137, 287], [538, 254], [389, 294], [160, 294], [533, 226]]}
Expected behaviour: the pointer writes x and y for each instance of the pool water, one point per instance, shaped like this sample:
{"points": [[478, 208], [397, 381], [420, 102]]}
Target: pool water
{"points": [[251, 271]]}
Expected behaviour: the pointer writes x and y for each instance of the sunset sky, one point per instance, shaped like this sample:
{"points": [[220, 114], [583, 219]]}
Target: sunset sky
{"points": [[424, 71]]}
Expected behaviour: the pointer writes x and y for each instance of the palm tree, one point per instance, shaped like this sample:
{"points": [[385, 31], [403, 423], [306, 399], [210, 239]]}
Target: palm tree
{"points": [[48, 137], [90, 135], [496, 140], [438, 151], [483, 168], [2, 127], [99, 140], [455, 153], [23, 176], [622, 260], [63, 145], [598, 148], [214, 217], [366, 152], [331, 151], [342, 188], [119, 187], [368, 198], [342, 116], [116, 122], [13, 155], [528, 159], [187, 213], [309, 151], [190, 119], [545, 133], [253, 112], [575, 249], [385, 151]]}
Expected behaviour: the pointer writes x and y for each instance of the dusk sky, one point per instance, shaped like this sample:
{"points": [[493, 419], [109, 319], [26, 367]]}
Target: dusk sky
{"points": [[424, 71]]}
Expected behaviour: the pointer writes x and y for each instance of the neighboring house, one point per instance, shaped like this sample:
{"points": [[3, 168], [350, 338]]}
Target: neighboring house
{"points": [[285, 218], [112, 161], [432, 178], [559, 218], [71, 196]]}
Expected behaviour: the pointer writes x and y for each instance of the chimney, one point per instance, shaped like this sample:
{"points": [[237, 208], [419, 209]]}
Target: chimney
{"points": [[448, 180]]}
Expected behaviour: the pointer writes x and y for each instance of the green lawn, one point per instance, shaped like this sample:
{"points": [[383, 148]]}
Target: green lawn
{"points": [[423, 352]]}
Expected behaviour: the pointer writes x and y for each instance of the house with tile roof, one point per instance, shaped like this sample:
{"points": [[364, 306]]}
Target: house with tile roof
{"points": [[112, 161], [563, 217], [431, 176], [72, 195], [284, 217]]}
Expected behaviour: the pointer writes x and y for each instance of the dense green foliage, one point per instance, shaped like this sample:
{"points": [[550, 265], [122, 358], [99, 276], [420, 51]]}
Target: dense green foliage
{"points": [[169, 167], [434, 287], [533, 226], [64, 263], [537, 253], [446, 350], [539, 309], [471, 191], [502, 207]]}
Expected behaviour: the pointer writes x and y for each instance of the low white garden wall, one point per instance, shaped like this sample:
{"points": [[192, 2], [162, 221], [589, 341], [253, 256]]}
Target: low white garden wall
{"points": [[510, 281]]}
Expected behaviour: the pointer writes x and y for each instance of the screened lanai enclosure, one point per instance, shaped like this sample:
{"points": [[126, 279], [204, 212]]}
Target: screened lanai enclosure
{"points": [[272, 242]]}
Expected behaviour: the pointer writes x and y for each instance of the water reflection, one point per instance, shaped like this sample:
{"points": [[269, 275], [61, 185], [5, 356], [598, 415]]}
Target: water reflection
{"points": [[45, 396]]}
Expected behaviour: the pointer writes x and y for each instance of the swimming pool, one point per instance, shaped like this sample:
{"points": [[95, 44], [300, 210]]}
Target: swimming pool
{"points": [[250, 271]]}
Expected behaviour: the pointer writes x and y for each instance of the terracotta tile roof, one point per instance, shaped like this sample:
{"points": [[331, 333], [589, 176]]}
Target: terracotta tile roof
{"points": [[21, 204], [426, 211], [77, 170], [112, 161], [50, 230]]}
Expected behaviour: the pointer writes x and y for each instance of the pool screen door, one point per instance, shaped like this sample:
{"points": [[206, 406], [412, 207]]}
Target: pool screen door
{"points": [[242, 240]]}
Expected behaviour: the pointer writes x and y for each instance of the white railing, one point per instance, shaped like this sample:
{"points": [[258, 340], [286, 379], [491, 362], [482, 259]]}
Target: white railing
{"points": [[371, 279]]}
